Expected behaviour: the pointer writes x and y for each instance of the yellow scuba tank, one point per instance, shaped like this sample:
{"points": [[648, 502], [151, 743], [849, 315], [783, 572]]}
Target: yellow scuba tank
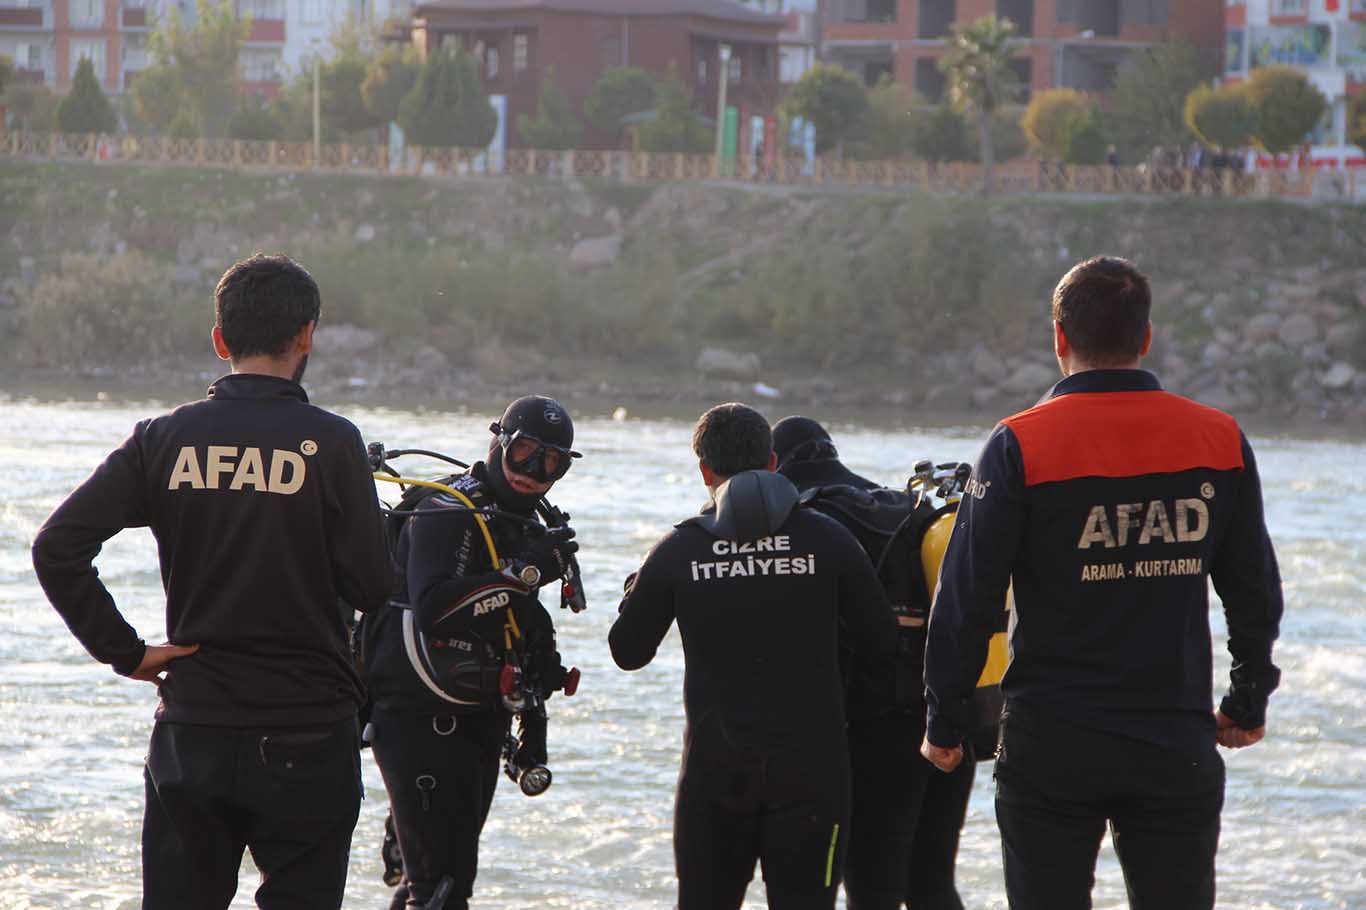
{"points": [[947, 481], [932, 547]]}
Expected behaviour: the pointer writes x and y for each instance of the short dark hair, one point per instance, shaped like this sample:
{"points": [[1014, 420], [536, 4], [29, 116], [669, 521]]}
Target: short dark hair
{"points": [[731, 438], [262, 302], [1103, 305]]}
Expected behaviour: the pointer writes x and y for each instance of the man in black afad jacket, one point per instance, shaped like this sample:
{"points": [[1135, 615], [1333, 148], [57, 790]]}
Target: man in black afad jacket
{"points": [[1108, 505], [434, 658], [906, 817], [763, 591], [264, 513]]}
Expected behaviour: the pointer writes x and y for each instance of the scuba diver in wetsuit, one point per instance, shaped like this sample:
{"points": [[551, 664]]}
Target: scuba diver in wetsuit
{"points": [[907, 816], [762, 590], [436, 661]]}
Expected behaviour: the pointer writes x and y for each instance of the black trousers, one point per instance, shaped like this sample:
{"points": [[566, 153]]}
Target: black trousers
{"points": [[291, 796], [440, 773], [731, 814], [1057, 785], [906, 821]]}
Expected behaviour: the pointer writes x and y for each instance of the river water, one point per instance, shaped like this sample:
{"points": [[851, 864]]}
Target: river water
{"points": [[73, 735]]}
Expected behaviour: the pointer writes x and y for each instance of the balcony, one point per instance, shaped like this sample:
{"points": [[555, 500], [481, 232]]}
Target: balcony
{"points": [[266, 31], [134, 17], [21, 17], [861, 12]]}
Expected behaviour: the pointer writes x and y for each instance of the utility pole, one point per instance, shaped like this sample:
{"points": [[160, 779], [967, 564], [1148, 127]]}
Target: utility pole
{"points": [[317, 107]]}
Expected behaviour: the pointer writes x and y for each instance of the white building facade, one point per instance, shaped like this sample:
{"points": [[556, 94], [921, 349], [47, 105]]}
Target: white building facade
{"points": [[1324, 39]]}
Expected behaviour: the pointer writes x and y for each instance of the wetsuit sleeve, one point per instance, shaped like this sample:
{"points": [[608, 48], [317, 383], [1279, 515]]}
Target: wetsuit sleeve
{"points": [[542, 654], [360, 556], [64, 552], [646, 611], [1248, 581], [446, 598], [868, 626], [972, 587]]}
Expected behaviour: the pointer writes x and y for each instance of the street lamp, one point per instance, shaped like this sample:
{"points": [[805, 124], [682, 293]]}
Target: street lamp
{"points": [[721, 106]]}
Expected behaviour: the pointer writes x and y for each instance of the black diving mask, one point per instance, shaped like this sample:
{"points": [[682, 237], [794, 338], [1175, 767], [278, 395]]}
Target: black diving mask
{"points": [[542, 461]]}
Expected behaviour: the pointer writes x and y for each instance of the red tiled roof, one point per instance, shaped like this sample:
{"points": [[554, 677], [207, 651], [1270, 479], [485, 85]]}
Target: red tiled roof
{"points": [[712, 9]]}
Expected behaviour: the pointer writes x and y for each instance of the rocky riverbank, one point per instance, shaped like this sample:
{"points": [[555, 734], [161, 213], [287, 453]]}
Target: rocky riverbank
{"points": [[672, 295]]}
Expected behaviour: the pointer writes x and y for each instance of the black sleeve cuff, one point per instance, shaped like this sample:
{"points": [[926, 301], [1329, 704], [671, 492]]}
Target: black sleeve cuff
{"points": [[1251, 687], [125, 664]]}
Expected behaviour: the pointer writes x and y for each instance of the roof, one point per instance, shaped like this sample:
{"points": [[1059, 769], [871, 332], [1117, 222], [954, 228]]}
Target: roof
{"points": [[726, 10]]}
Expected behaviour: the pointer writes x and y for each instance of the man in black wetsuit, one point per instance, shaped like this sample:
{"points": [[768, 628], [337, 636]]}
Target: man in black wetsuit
{"points": [[763, 591], [263, 510], [906, 817], [1109, 505], [433, 659]]}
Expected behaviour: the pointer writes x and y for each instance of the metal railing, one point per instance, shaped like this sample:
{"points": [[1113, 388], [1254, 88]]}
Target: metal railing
{"points": [[1015, 178]]}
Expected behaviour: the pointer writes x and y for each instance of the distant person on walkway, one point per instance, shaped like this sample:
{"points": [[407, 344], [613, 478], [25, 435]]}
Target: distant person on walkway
{"points": [[1109, 504], [762, 590], [264, 513], [905, 825]]}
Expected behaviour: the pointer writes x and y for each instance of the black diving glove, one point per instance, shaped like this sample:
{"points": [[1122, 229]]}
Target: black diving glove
{"points": [[531, 745], [550, 553]]}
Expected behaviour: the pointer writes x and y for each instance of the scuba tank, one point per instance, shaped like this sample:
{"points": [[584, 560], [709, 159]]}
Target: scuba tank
{"points": [[948, 481]]}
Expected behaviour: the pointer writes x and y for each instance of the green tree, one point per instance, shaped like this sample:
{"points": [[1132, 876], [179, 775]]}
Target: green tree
{"points": [[6, 73], [980, 78], [1086, 140], [1148, 103], [86, 108], [255, 121], [619, 91], [1288, 107], [940, 134], [890, 126], [158, 95], [447, 105], [32, 105], [554, 126], [341, 104], [676, 127], [1049, 118], [1007, 138], [834, 100], [1222, 118], [388, 79], [1356, 121], [204, 59]]}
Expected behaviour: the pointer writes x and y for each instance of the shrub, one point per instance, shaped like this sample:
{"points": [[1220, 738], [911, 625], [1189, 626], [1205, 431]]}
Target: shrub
{"points": [[86, 108], [1049, 119]]}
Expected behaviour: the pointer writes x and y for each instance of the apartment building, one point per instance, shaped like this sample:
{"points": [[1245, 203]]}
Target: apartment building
{"points": [[1324, 39], [47, 38], [1077, 44]]}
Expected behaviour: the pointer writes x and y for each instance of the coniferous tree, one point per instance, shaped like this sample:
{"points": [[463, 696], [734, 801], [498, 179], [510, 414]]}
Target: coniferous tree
{"points": [[447, 105], [554, 126], [86, 109]]}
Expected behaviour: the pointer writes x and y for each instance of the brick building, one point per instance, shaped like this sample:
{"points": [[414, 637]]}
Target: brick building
{"points": [[1064, 43], [46, 38], [517, 41]]}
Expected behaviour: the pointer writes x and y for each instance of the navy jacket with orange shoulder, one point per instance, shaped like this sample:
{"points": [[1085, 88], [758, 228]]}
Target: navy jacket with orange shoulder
{"points": [[1107, 505]]}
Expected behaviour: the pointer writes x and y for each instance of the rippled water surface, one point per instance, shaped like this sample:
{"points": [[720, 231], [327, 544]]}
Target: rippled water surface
{"points": [[72, 735]]}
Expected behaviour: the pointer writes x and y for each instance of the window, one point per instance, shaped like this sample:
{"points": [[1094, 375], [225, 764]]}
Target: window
{"points": [[87, 13], [520, 48], [734, 69], [491, 63], [1023, 68], [92, 49], [1289, 7], [701, 69], [313, 10], [935, 18], [29, 57], [1020, 12], [929, 80]]}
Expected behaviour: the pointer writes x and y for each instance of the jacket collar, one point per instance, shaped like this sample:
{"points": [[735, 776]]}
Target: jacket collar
{"points": [[238, 386], [1105, 381]]}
